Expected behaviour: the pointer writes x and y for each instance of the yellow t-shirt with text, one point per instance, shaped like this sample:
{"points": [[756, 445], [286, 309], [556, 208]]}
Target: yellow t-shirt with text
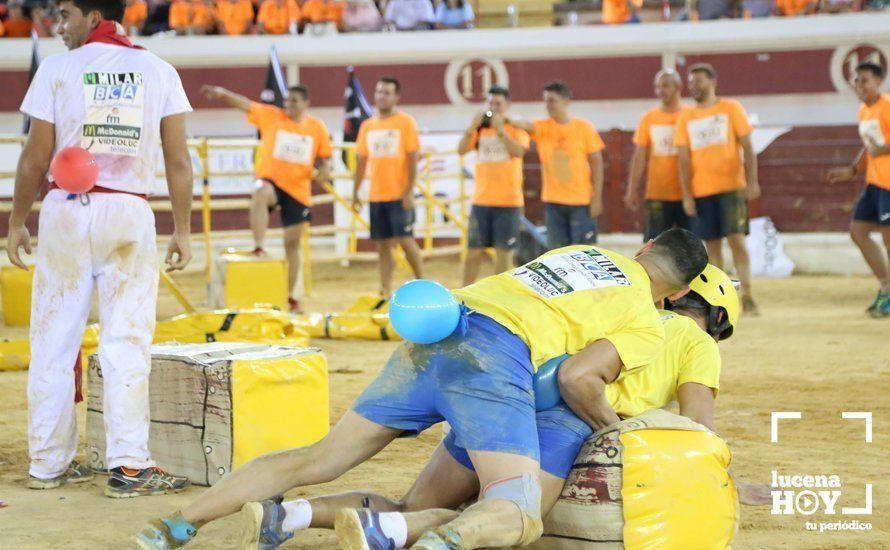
{"points": [[571, 297], [689, 355]]}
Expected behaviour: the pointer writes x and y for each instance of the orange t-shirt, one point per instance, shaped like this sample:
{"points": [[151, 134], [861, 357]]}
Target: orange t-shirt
{"points": [[386, 143], [234, 16], [656, 132], [181, 14], [289, 149], [874, 125], [314, 11], [135, 15], [792, 7], [498, 176], [204, 15], [616, 11], [277, 19], [334, 11], [564, 150], [2, 29], [712, 136], [18, 28]]}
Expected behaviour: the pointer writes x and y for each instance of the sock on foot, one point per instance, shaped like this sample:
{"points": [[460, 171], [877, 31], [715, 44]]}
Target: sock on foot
{"points": [[297, 515], [394, 526]]}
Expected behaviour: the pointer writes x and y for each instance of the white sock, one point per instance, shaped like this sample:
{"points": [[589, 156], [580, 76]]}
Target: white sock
{"points": [[395, 527], [297, 515]]}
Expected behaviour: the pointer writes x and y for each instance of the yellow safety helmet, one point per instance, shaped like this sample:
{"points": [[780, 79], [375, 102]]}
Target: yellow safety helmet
{"points": [[712, 287]]}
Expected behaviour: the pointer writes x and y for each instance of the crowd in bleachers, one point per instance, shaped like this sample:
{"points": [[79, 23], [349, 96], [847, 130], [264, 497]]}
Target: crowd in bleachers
{"points": [[236, 17]]}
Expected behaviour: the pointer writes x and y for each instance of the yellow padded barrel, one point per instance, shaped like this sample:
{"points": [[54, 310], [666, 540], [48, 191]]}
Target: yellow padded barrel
{"points": [[677, 492], [15, 291]]}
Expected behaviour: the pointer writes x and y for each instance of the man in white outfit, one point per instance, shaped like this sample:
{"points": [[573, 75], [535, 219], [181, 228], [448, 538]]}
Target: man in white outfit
{"points": [[122, 104]]}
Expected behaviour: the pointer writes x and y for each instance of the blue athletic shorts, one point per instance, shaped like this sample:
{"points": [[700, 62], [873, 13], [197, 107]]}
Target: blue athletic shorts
{"points": [[568, 224], [494, 226], [560, 434], [390, 220], [479, 379], [873, 205]]}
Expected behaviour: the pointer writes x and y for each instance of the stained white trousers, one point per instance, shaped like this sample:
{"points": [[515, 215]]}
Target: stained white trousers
{"points": [[107, 241]]}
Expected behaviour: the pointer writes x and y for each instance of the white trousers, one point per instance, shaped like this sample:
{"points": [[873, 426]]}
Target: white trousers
{"points": [[107, 241]]}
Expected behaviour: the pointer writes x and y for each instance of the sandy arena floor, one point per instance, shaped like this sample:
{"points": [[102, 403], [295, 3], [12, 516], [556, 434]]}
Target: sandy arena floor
{"points": [[813, 350]]}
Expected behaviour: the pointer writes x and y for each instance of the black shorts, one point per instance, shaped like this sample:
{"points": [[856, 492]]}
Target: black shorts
{"points": [[720, 215], [390, 220], [292, 211], [664, 215], [493, 226], [873, 205]]}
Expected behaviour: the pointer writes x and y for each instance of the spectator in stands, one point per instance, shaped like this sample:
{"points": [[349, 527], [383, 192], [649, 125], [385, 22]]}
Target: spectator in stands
{"points": [[235, 16], [758, 8], [617, 12], [278, 17], [135, 15], [790, 8], [838, 6], [334, 12], [2, 29], [189, 17], [361, 16], [17, 25], [410, 15], [705, 10], [42, 20], [158, 17], [454, 14]]}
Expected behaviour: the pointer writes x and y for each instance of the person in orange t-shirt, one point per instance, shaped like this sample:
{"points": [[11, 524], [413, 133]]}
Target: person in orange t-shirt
{"points": [[715, 182], [334, 12], [387, 147], [616, 12], [277, 16], [872, 212], [235, 16], [295, 149], [497, 201], [313, 11], [796, 7], [17, 25], [135, 15], [192, 17], [654, 146], [571, 156]]}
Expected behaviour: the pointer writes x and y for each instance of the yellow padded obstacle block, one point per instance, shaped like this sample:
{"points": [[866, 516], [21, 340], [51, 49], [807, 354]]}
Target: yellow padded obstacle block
{"points": [[15, 291], [215, 406], [677, 491], [244, 281]]}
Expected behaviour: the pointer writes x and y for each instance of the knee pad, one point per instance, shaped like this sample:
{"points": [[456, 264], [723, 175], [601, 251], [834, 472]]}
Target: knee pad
{"points": [[524, 491]]}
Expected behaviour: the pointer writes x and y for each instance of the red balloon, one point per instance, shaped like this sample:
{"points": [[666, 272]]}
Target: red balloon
{"points": [[74, 169]]}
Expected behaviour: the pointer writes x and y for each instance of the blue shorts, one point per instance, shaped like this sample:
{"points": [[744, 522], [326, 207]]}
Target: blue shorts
{"points": [[720, 215], [567, 224], [560, 434], [479, 379], [663, 215], [493, 226], [873, 205], [390, 219]]}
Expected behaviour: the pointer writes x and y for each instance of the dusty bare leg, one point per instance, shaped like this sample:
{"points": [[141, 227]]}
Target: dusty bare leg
{"points": [[352, 441], [262, 199], [387, 264], [412, 254], [860, 232], [503, 259], [292, 235], [472, 265], [715, 252], [741, 260]]}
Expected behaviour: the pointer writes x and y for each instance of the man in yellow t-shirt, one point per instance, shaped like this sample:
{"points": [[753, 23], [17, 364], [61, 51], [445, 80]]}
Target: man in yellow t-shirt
{"points": [[294, 144], [571, 153], [716, 180], [386, 148], [580, 300], [655, 154], [497, 199], [687, 370], [872, 211]]}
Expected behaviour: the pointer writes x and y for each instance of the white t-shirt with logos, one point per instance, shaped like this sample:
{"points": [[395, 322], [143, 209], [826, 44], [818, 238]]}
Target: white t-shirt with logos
{"points": [[110, 100]]}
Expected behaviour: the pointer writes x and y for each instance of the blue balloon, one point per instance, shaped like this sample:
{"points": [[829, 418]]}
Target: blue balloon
{"points": [[547, 385], [424, 312]]}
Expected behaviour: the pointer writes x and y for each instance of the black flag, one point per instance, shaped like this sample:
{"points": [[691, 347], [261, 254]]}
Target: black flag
{"points": [[357, 107], [35, 62], [274, 90]]}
